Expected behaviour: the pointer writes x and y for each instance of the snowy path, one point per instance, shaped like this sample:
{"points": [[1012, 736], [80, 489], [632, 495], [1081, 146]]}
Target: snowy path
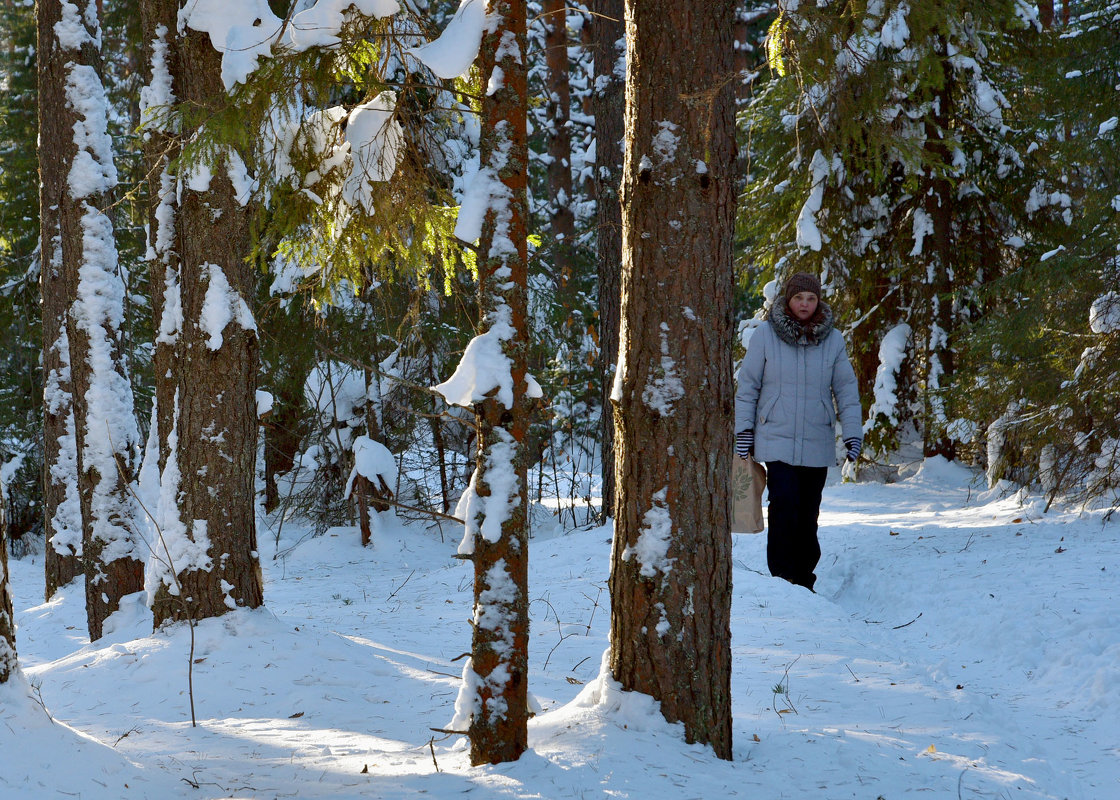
{"points": [[331, 691]]}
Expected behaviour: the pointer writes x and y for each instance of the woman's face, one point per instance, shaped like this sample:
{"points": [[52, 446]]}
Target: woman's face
{"points": [[803, 305]]}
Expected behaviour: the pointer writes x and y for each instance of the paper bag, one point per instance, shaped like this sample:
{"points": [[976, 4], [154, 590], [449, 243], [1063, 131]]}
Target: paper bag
{"points": [[748, 479]]}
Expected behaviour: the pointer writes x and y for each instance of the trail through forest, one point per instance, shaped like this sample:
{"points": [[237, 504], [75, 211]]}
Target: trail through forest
{"points": [[962, 644]]}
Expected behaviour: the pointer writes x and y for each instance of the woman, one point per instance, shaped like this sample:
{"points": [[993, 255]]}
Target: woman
{"points": [[795, 376]]}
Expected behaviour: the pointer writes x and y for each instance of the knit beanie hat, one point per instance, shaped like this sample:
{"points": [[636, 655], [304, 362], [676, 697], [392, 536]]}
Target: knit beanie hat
{"points": [[802, 282]]}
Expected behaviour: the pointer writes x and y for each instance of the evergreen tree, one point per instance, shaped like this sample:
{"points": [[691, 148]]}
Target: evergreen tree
{"points": [[562, 279], [160, 148], [20, 330], [1041, 375], [881, 159], [207, 562], [671, 562], [61, 510], [105, 436], [493, 377], [608, 102]]}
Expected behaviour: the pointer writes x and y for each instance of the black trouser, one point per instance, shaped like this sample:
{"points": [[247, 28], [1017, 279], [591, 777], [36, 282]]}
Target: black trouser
{"points": [[792, 550]]}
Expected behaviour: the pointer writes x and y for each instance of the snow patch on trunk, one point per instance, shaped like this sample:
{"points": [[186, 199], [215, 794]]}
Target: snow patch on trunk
{"points": [[221, 306], [652, 547]]}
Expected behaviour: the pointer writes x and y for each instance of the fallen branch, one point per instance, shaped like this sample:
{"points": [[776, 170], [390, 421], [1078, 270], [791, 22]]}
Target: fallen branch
{"points": [[911, 622]]}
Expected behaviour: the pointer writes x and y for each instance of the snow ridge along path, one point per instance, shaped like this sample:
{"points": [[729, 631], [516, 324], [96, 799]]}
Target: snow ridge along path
{"points": [[962, 644]]}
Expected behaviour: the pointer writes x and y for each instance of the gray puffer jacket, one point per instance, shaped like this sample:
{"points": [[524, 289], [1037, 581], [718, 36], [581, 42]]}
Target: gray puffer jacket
{"points": [[791, 383]]}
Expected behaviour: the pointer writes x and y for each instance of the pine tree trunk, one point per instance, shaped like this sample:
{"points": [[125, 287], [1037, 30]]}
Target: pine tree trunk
{"points": [[500, 642], [281, 432], [216, 422], [671, 562], [61, 512], [1046, 14], [105, 435], [936, 307], [161, 147], [561, 218], [9, 662], [608, 101]]}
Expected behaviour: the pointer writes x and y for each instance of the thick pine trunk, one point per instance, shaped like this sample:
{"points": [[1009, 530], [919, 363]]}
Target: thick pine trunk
{"points": [[216, 411], [105, 435], [500, 640], [61, 513], [608, 102], [671, 563]]}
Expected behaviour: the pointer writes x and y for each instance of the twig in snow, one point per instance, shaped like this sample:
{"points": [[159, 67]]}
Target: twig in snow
{"points": [[125, 735], [783, 689], [445, 674], [911, 622], [432, 747], [594, 608], [37, 686], [394, 592]]}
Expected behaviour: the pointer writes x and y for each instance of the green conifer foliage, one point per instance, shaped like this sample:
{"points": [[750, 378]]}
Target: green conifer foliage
{"points": [[880, 157], [288, 122], [1043, 370], [365, 275], [20, 378]]}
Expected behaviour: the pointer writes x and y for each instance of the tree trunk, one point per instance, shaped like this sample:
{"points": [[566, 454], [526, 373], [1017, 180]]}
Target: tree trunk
{"points": [[105, 434], [608, 100], [215, 428], [281, 429], [161, 146], [671, 562], [62, 521], [9, 663], [935, 308], [1046, 14], [561, 218], [497, 522]]}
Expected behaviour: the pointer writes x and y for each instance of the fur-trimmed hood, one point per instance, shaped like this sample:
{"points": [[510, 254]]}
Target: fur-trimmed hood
{"points": [[791, 331]]}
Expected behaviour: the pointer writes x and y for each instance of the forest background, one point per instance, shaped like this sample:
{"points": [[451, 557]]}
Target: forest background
{"points": [[950, 169]]}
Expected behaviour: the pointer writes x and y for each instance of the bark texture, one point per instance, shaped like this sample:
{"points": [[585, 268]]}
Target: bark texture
{"points": [[671, 563], [8, 661], [608, 103], [216, 423], [500, 640], [105, 435], [56, 145], [158, 20]]}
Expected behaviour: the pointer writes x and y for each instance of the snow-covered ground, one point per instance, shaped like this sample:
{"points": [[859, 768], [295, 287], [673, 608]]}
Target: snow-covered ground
{"points": [[962, 645]]}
